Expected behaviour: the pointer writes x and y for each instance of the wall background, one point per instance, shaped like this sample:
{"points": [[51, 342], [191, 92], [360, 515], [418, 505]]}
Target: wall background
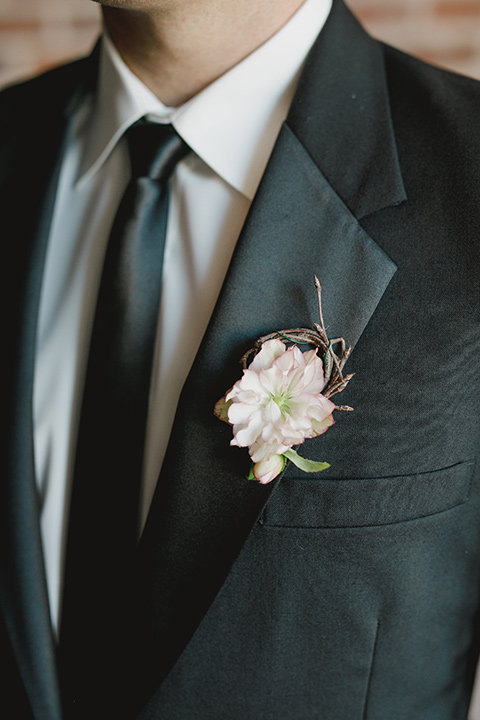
{"points": [[38, 34]]}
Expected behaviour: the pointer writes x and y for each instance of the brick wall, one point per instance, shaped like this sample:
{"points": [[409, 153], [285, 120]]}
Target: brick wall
{"points": [[444, 32], [36, 34]]}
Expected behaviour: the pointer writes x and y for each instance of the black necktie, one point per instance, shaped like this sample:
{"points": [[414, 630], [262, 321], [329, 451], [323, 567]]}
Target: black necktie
{"points": [[103, 523]]}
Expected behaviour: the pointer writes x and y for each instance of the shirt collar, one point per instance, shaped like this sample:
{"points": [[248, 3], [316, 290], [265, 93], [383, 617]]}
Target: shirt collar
{"points": [[121, 100], [232, 124]]}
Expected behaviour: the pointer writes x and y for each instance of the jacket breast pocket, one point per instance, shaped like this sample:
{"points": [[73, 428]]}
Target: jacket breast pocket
{"points": [[333, 503]]}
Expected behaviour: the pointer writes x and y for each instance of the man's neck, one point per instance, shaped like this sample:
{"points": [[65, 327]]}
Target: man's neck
{"points": [[178, 48]]}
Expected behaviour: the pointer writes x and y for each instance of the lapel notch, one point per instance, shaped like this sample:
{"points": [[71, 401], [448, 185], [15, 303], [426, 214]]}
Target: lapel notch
{"points": [[341, 115]]}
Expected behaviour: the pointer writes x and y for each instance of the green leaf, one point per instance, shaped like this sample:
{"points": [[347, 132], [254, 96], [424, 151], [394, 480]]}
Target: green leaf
{"points": [[304, 464], [250, 475]]}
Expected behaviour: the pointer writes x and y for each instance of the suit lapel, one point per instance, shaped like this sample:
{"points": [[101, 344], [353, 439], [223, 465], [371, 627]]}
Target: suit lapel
{"points": [[341, 115], [301, 223], [23, 594]]}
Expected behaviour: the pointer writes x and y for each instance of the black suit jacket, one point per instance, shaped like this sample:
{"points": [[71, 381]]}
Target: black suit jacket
{"points": [[351, 594]]}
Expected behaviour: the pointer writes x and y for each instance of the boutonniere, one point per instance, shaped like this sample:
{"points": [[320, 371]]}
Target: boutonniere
{"points": [[283, 396]]}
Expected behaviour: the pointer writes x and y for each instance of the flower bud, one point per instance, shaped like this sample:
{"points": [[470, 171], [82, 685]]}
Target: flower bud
{"points": [[267, 470]]}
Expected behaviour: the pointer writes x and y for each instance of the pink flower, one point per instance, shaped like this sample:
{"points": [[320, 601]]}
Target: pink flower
{"points": [[277, 404]]}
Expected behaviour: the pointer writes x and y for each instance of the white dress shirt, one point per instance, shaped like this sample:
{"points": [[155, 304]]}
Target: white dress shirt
{"points": [[231, 127]]}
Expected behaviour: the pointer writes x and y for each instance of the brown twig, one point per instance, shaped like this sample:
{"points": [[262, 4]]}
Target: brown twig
{"points": [[333, 362]]}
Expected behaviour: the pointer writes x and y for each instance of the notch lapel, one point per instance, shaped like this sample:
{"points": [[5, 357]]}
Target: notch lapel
{"points": [[203, 508], [23, 593]]}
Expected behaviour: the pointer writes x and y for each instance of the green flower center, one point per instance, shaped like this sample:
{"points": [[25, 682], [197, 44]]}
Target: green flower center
{"points": [[283, 400]]}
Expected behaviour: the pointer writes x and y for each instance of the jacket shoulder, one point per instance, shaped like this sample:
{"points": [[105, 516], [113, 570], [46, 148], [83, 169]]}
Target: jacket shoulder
{"points": [[55, 87], [30, 106], [434, 111], [423, 85]]}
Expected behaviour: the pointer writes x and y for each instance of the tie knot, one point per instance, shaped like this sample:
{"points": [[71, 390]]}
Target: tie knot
{"points": [[154, 149]]}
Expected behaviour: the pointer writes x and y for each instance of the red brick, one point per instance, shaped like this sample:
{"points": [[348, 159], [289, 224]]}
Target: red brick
{"points": [[460, 9], [375, 13], [22, 26], [446, 57]]}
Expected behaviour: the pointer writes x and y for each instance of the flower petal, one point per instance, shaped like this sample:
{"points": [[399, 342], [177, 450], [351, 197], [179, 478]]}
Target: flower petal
{"points": [[269, 352]]}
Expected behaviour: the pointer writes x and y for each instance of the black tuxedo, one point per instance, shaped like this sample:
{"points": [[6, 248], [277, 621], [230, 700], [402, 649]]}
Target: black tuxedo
{"points": [[351, 594]]}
